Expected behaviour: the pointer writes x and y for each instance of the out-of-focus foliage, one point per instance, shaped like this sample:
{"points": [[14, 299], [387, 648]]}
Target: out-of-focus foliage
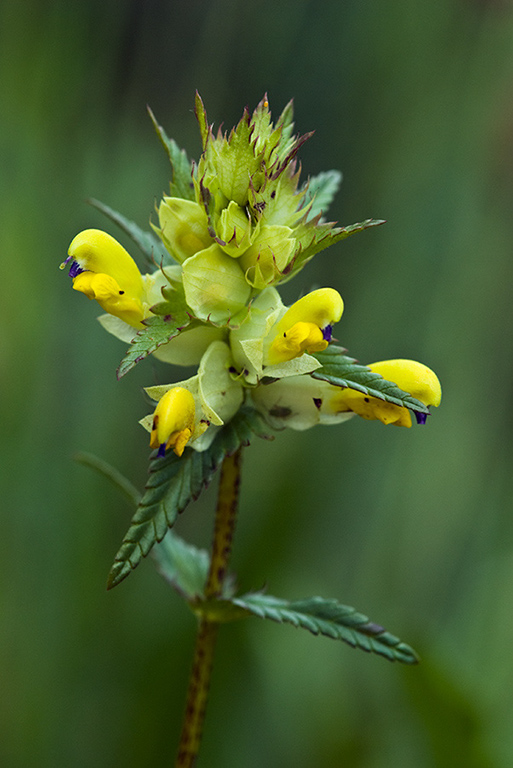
{"points": [[412, 102]]}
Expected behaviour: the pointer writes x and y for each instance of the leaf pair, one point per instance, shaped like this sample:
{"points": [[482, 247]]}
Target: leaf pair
{"points": [[173, 482], [185, 567]]}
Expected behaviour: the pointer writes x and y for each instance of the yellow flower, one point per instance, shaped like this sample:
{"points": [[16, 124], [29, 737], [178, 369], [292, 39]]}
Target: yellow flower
{"points": [[305, 326], [417, 379], [103, 270], [173, 421]]}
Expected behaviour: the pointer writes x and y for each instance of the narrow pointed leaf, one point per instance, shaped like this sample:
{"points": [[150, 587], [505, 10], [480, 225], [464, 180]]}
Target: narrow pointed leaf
{"points": [[343, 371], [201, 116], [152, 248], [183, 565], [158, 330], [174, 482], [181, 183], [331, 619], [112, 474]]}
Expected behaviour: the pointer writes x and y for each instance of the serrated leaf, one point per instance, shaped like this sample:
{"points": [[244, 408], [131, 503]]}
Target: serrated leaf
{"points": [[181, 183], [183, 565], [174, 482], [322, 189], [152, 248], [236, 161], [343, 371], [158, 330], [331, 619], [314, 236]]}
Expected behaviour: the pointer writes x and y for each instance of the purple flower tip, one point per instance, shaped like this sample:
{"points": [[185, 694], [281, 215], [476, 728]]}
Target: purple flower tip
{"points": [[75, 269], [421, 417], [162, 450], [326, 333]]}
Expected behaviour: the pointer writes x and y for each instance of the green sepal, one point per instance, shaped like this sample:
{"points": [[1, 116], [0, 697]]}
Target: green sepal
{"points": [[152, 248], [343, 371], [331, 619], [321, 190], [181, 184], [314, 236], [182, 565], [175, 481], [158, 330]]}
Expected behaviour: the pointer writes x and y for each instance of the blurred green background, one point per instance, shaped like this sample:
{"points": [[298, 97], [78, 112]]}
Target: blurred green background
{"points": [[412, 101]]}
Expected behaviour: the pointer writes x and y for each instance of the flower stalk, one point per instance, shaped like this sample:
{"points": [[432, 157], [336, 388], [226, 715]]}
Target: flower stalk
{"points": [[199, 681]]}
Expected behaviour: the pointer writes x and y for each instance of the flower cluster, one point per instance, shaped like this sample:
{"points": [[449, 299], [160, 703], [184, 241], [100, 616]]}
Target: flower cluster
{"points": [[236, 225]]}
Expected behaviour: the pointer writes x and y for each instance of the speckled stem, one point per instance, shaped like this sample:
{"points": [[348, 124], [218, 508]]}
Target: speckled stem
{"points": [[199, 681]]}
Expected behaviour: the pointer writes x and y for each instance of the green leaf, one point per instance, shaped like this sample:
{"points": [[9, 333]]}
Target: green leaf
{"points": [[152, 248], [158, 330], [343, 371], [183, 565], [322, 189], [201, 116], [331, 619], [181, 183], [314, 236], [174, 482], [113, 475]]}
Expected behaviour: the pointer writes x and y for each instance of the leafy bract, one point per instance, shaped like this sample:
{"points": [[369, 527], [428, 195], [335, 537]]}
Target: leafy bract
{"points": [[343, 371], [158, 330], [330, 618], [322, 189], [181, 184], [174, 482], [152, 248], [313, 236]]}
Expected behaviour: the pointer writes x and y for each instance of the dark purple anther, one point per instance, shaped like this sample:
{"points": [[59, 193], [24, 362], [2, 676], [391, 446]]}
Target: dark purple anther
{"points": [[162, 450], [326, 333], [421, 417]]}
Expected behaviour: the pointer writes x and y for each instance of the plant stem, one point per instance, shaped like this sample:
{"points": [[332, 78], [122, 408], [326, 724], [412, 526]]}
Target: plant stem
{"points": [[199, 681]]}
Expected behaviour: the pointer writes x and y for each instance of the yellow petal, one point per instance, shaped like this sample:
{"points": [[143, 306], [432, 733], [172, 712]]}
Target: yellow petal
{"points": [[173, 421], [413, 377], [301, 327]]}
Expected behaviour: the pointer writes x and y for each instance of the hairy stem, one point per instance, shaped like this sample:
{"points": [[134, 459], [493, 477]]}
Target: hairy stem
{"points": [[199, 681]]}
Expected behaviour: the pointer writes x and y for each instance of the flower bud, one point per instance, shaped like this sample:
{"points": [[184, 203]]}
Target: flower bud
{"points": [[234, 229], [183, 227], [173, 421], [265, 260]]}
